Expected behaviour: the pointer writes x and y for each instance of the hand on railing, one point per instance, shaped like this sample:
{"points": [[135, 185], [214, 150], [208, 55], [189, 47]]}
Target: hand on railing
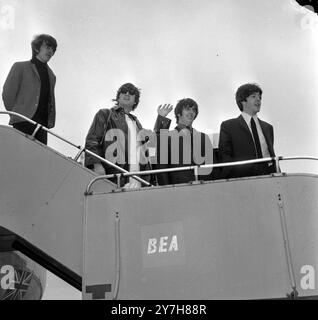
{"points": [[99, 169], [144, 135]]}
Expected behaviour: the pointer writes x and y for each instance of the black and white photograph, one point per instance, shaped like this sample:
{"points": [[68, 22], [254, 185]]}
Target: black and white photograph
{"points": [[158, 150]]}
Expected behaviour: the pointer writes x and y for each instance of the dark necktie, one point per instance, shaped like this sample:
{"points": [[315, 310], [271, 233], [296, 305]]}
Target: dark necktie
{"points": [[256, 139]]}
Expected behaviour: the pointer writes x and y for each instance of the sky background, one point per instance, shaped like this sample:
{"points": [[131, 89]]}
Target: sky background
{"points": [[173, 49]]}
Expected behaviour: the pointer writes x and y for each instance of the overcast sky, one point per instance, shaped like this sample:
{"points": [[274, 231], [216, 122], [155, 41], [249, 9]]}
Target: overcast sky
{"points": [[172, 49]]}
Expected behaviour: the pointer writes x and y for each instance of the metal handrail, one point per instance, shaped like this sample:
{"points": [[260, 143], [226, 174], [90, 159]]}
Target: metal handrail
{"points": [[39, 126], [135, 175], [197, 167], [299, 158]]}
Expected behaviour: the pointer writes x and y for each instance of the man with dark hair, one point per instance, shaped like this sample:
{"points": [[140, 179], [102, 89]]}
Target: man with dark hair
{"points": [[247, 137], [29, 88], [115, 135], [185, 146]]}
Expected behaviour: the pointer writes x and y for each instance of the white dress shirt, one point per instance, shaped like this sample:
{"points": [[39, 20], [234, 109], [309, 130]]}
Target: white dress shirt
{"points": [[262, 140], [134, 152]]}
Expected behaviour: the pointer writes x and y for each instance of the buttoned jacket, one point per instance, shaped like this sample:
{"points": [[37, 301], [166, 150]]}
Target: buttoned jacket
{"points": [[237, 144]]}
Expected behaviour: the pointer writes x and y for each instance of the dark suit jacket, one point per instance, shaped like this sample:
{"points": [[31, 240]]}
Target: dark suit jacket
{"points": [[236, 144], [21, 92], [180, 152]]}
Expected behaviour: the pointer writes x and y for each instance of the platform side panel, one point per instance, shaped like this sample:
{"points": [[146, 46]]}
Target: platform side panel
{"points": [[41, 197], [211, 241], [99, 251], [300, 204]]}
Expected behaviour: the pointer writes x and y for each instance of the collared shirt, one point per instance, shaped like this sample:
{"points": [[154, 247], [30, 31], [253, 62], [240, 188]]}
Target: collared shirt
{"points": [[134, 152], [181, 126], [262, 140]]}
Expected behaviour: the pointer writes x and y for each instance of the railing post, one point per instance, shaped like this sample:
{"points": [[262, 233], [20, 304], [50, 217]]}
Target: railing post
{"points": [[196, 173], [38, 127], [118, 176], [79, 153], [277, 164]]}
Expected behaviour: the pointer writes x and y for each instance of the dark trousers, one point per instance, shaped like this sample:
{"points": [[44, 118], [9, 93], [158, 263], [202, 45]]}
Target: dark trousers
{"points": [[28, 128]]}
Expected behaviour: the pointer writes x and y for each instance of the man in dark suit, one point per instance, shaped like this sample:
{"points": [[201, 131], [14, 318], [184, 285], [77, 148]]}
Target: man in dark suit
{"points": [[247, 137], [29, 88], [183, 146]]}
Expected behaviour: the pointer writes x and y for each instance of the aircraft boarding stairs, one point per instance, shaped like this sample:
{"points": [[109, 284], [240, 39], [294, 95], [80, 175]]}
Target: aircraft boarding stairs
{"points": [[247, 238]]}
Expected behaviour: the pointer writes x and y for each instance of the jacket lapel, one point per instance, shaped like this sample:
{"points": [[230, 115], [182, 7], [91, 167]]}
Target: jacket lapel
{"points": [[243, 123], [245, 127], [51, 76], [33, 67]]}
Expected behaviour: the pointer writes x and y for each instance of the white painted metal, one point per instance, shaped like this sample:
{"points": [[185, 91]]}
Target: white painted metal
{"points": [[230, 239], [41, 197]]}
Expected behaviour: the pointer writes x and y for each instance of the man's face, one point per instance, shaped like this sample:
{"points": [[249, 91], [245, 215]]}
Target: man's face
{"points": [[45, 53], [253, 102], [187, 116], [126, 99]]}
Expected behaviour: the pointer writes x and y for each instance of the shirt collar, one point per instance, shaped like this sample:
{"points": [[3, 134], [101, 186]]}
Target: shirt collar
{"points": [[180, 126], [122, 111], [38, 62], [247, 118]]}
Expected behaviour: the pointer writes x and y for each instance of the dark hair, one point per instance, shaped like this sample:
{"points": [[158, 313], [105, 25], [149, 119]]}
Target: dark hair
{"points": [[183, 103], [245, 91], [40, 39], [131, 88]]}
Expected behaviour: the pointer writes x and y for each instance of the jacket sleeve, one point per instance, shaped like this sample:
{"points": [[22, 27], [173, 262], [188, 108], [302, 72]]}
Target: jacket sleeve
{"points": [[94, 138], [11, 86], [272, 133], [163, 178], [225, 149], [225, 144], [52, 107], [161, 123]]}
